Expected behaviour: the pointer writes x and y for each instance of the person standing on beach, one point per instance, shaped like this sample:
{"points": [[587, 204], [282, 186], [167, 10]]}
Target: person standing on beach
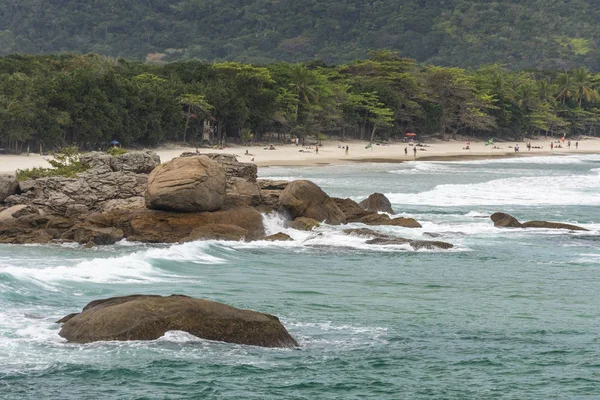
{"points": [[551, 145], [576, 145], [316, 149], [406, 151], [415, 152], [347, 148], [569, 144]]}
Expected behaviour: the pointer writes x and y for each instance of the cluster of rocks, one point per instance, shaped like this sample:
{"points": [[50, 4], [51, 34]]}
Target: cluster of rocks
{"points": [[193, 197]]}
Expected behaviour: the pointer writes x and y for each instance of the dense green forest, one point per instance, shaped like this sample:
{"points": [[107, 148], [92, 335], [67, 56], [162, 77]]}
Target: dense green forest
{"points": [[521, 34], [90, 100]]}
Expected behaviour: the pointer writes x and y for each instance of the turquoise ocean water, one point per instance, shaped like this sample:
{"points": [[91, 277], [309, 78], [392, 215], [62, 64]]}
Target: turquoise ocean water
{"points": [[506, 314]]}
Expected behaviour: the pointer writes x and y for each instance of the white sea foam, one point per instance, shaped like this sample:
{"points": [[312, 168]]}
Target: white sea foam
{"points": [[543, 190], [135, 267]]}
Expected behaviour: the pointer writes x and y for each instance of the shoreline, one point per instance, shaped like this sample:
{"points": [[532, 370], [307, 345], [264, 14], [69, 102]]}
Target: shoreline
{"points": [[334, 153]]}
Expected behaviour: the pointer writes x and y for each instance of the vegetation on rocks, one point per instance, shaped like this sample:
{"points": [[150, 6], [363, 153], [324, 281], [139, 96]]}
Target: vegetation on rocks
{"points": [[64, 162]]}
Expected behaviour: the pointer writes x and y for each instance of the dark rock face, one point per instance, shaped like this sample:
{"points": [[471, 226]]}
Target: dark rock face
{"points": [[415, 244], [304, 224], [191, 184], [278, 237], [168, 227], [305, 199], [270, 191], [377, 202], [355, 213], [502, 220], [552, 225], [8, 186], [147, 317], [97, 236]]}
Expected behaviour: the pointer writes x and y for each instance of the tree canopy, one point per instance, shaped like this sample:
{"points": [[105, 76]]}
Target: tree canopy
{"points": [[50, 102]]}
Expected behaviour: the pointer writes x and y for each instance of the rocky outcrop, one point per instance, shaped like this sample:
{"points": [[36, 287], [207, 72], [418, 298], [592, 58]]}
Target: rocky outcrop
{"points": [[192, 184], [305, 199], [109, 181], [168, 227], [355, 213], [147, 317], [8, 186], [270, 191], [377, 202], [502, 220], [387, 240]]}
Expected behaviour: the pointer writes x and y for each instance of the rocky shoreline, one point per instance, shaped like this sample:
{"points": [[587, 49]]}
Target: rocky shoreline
{"points": [[193, 197]]}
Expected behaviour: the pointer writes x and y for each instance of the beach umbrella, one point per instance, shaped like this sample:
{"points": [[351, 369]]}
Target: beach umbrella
{"points": [[114, 143], [410, 134]]}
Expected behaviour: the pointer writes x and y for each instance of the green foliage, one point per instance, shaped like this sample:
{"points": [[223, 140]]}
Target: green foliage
{"points": [[116, 151], [545, 34], [64, 163], [49, 102]]}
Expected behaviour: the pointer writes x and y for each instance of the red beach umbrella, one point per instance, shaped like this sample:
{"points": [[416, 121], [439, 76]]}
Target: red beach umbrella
{"points": [[410, 134]]}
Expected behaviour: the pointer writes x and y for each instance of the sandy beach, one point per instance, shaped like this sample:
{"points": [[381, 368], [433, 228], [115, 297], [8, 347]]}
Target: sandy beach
{"points": [[333, 152]]}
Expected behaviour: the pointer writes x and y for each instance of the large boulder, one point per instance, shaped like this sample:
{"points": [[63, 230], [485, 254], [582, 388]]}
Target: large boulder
{"points": [[502, 220], [305, 199], [242, 188], [217, 232], [377, 202], [8, 186], [147, 317], [188, 184]]}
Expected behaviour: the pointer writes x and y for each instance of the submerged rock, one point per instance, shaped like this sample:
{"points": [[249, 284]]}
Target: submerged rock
{"points": [[278, 237], [148, 317], [502, 220]]}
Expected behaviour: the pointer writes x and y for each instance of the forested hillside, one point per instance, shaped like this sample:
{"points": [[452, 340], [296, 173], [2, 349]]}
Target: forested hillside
{"points": [[543, 34]]}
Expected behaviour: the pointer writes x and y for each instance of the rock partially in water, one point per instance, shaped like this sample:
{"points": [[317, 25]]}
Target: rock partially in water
{"points": [[415, 244], [304, 224], [278, 237], [377, 202], [148, 317], [552, 225], [305, 199], [503, 220]]}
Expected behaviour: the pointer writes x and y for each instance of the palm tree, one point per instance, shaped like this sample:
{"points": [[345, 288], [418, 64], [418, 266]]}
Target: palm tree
{"points": [[565, 87], [304, 83], [582, 85], [545, 90]]}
